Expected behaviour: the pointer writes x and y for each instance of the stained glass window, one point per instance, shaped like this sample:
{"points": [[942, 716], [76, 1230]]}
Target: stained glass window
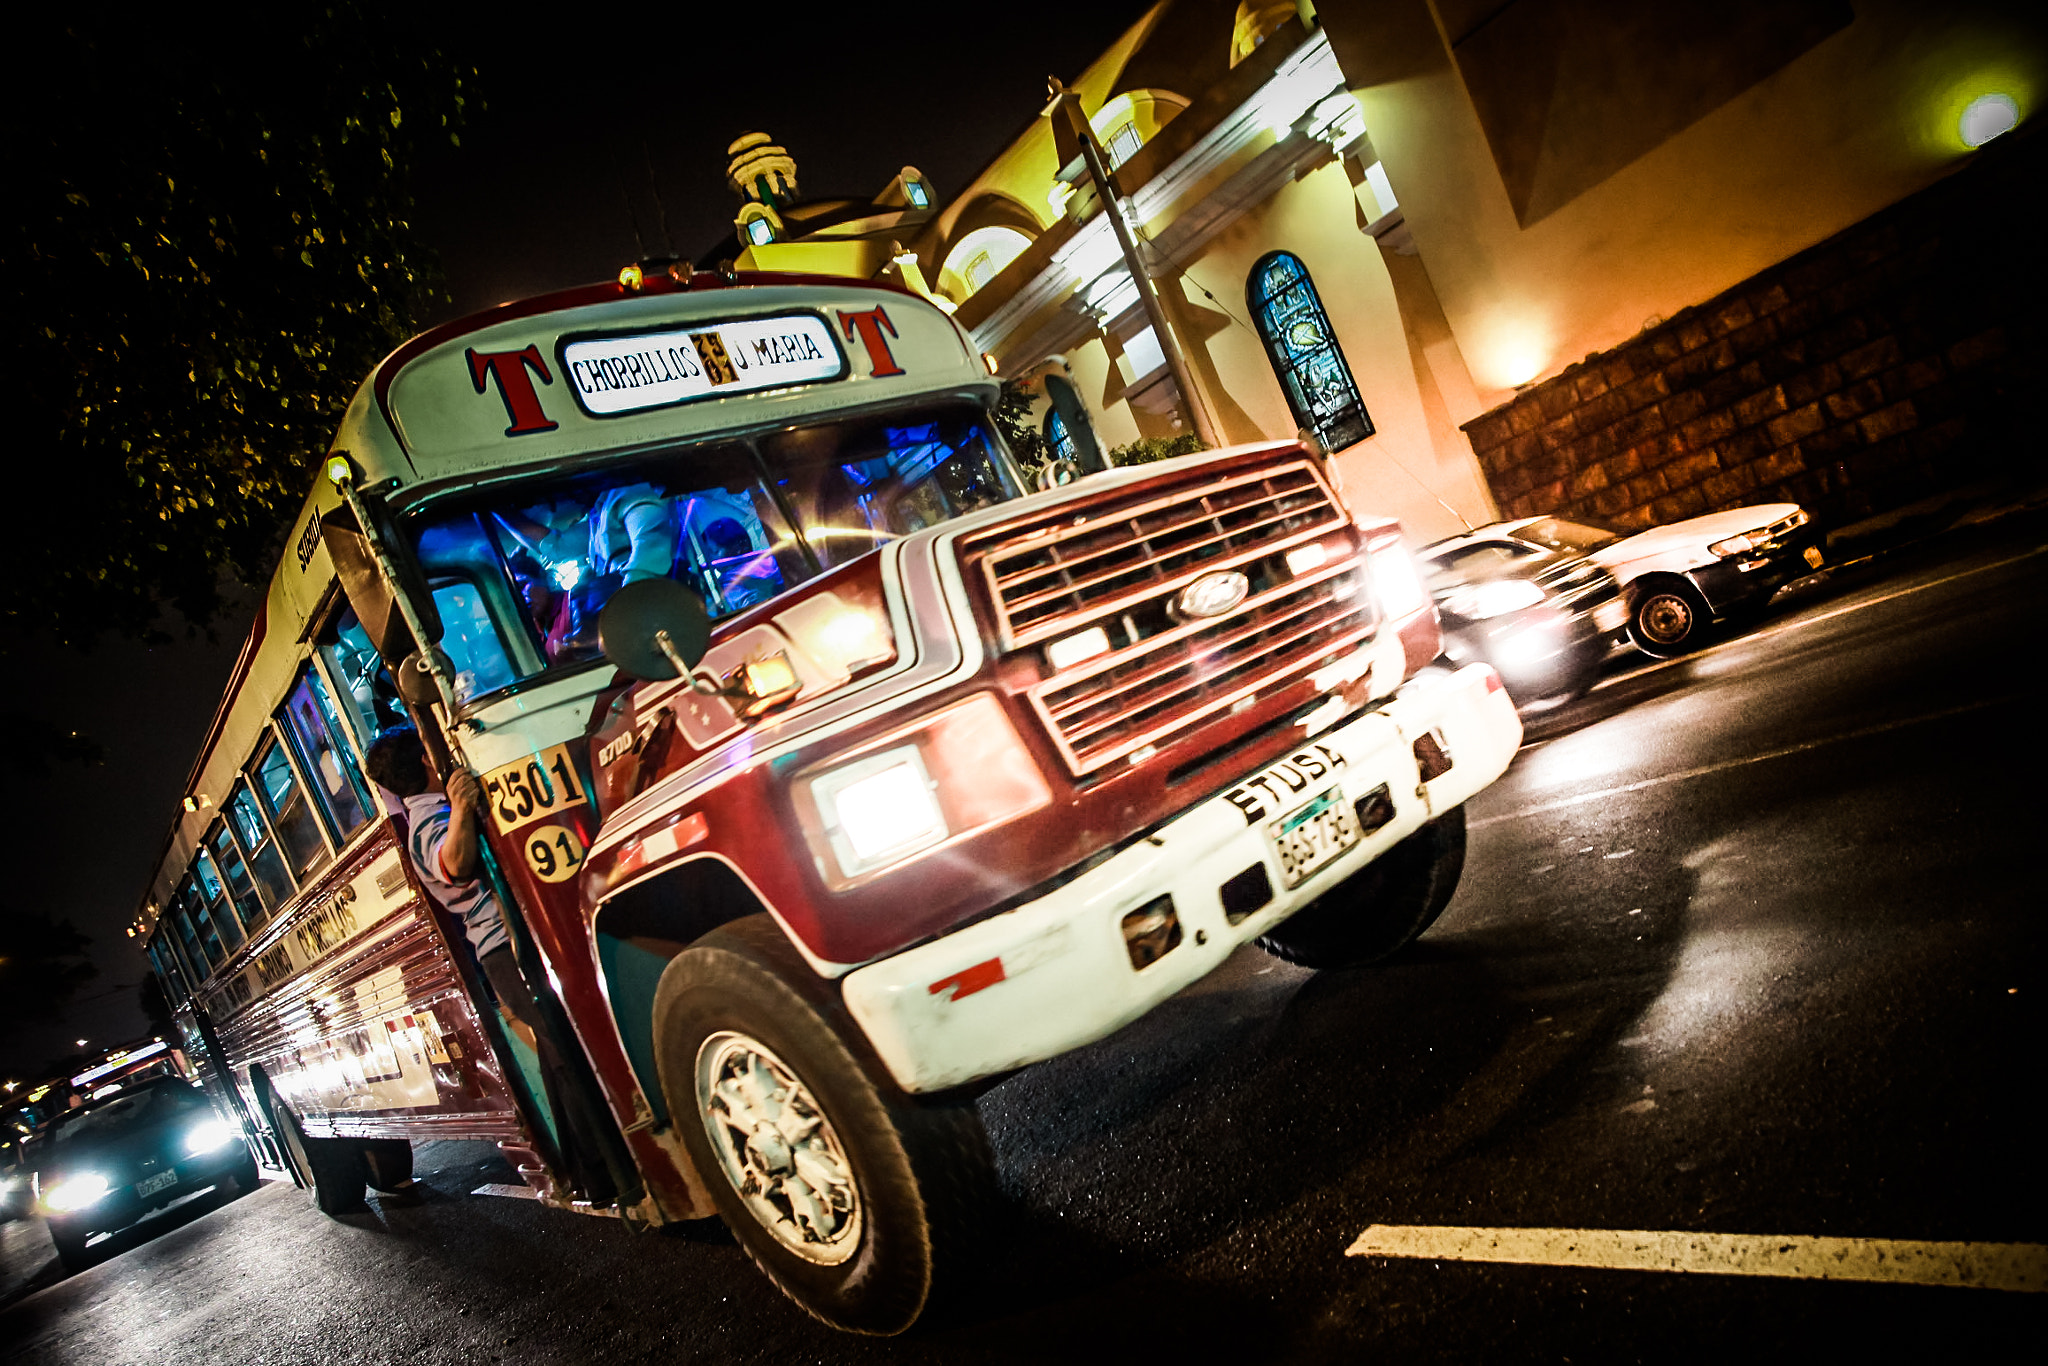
{"points": [[1304, 352], [1059, 442]]}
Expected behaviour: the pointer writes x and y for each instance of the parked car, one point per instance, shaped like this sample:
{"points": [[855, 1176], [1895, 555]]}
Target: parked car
{"points": [[103, 1166], [1682, 577], [1528, 602]]}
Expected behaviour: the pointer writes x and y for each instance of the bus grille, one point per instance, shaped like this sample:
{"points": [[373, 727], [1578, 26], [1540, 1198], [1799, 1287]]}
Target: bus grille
{"points": [[1118, 569]]}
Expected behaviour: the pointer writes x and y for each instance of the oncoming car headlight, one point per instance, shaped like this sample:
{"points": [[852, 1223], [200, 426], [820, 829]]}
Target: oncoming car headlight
{"points": [[1494, 599], [208, 1135], [76, 1192], [878, 809]]}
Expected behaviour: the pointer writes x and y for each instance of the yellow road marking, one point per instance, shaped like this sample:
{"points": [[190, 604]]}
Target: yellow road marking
{"points": [[1985, 1266]]}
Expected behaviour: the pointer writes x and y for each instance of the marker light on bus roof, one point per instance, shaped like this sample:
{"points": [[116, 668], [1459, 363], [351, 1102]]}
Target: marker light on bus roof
{"points": [[629, 278]]}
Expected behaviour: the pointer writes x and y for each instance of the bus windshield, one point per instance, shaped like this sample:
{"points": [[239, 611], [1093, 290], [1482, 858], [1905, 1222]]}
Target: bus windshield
{"points": [[520, 577]]}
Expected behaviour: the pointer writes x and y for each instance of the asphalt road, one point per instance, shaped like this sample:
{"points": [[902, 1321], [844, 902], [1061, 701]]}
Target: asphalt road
{"points": [[1748, 943]]}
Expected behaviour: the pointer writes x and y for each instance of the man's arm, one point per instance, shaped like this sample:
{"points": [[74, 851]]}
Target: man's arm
{"points": [[465, 810]]}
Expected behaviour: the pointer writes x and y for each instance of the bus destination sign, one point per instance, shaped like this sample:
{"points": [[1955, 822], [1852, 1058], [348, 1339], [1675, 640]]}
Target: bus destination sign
{"points": [[656, 369]]}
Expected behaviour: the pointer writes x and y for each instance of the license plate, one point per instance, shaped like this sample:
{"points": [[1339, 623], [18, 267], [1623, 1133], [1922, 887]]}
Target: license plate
{"points": [[1309, 837], [1611, 615], [1813, 556], [150, 1185]]}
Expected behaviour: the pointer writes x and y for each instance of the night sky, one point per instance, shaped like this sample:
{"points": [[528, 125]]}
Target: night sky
{"points": [[592, 122]]}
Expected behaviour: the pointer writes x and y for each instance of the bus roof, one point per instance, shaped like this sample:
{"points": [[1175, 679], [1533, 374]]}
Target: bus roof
{"points": [[605, 368]]}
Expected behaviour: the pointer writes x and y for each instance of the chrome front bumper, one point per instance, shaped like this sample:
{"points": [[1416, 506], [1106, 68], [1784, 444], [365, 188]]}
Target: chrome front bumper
{"points": [[1055, 973]]}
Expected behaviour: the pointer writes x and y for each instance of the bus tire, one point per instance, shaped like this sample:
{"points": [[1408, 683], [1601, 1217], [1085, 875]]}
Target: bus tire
{"points": [[1383, 908], [862, 1199], [387, 1162], [333, 1165]]}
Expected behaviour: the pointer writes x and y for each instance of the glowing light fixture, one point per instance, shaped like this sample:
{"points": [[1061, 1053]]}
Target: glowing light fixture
{"points": [[208, 1135], [879, 809], [1985, 117], [1393, 574], [1077, 649], [338, 471], [86, 1188], [629, 279], [1306, 559]]}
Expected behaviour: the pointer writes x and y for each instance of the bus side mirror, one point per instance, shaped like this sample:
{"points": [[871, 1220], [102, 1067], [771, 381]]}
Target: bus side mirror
{"points": [[355, 564], [654, 630]]}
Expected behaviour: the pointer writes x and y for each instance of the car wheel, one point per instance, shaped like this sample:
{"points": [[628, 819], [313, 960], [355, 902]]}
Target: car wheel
{"points": [[1382, 908], [854, 1197], [70, 1240], [333, 1165], [243, 1179], [1668, 619]]}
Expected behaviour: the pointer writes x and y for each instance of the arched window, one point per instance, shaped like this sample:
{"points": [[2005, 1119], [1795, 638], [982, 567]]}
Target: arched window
{"points": [[1304, 351], [1059, 442]]}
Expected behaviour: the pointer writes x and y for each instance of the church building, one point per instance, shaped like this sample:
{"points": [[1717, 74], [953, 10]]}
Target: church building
{"points": [[1594, 256]]}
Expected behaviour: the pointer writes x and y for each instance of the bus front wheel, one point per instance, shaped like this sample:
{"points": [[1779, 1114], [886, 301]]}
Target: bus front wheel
{"points": [[333, 1166], [854, 1197]]}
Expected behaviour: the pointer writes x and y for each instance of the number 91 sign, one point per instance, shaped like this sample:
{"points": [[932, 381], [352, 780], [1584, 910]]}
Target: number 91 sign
{"points": [[553, 852]]}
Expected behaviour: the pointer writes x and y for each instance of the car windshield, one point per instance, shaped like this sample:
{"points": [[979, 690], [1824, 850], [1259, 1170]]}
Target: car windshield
{"points": [[1474, 563], [520, 577], [127, 1112], [1558, 534]]}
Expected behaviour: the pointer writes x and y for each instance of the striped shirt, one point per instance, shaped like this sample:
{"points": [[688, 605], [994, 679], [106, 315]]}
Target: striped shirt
{"points": [[471, 902]]}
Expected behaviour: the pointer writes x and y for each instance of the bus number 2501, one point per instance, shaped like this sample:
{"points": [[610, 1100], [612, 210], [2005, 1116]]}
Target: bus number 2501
{"points": [[541, 785]]}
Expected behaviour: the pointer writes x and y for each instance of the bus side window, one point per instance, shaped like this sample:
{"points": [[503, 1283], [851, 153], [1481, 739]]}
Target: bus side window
{"points": [[195, 927], [338, 790], [273, 883], [167, 970], [367, 697], [234, 869], [220, 910], [296, 826]]}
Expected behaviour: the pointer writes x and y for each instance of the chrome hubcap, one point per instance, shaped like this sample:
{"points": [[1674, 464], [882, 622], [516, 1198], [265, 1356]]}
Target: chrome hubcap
{"points": [[1666, 618], [778, 1149]]}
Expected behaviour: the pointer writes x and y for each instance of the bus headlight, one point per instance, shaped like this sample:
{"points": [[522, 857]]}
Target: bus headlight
{"points": [[76, 1192], [879, 809], [1393, 575], [208, 1135]]}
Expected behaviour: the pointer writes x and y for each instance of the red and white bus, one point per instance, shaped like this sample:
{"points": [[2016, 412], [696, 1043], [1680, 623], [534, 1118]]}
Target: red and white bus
{"points": [[831, 771]]}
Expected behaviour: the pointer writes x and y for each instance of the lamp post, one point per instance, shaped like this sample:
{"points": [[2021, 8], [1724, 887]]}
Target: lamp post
{"points": [[1074, 139]]}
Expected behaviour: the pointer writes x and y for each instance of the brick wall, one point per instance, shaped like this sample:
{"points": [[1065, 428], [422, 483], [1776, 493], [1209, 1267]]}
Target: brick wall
{"points": [[1883, 365]]}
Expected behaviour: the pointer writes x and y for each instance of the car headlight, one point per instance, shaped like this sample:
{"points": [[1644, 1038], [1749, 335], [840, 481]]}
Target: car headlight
{"points": [[878, 809], [208, 1135], [1736, 545], [76, 1192], [1482, 600]]}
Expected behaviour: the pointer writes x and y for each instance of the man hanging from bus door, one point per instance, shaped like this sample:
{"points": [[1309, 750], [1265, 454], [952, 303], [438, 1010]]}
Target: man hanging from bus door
{"points": [[443, 834]]}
